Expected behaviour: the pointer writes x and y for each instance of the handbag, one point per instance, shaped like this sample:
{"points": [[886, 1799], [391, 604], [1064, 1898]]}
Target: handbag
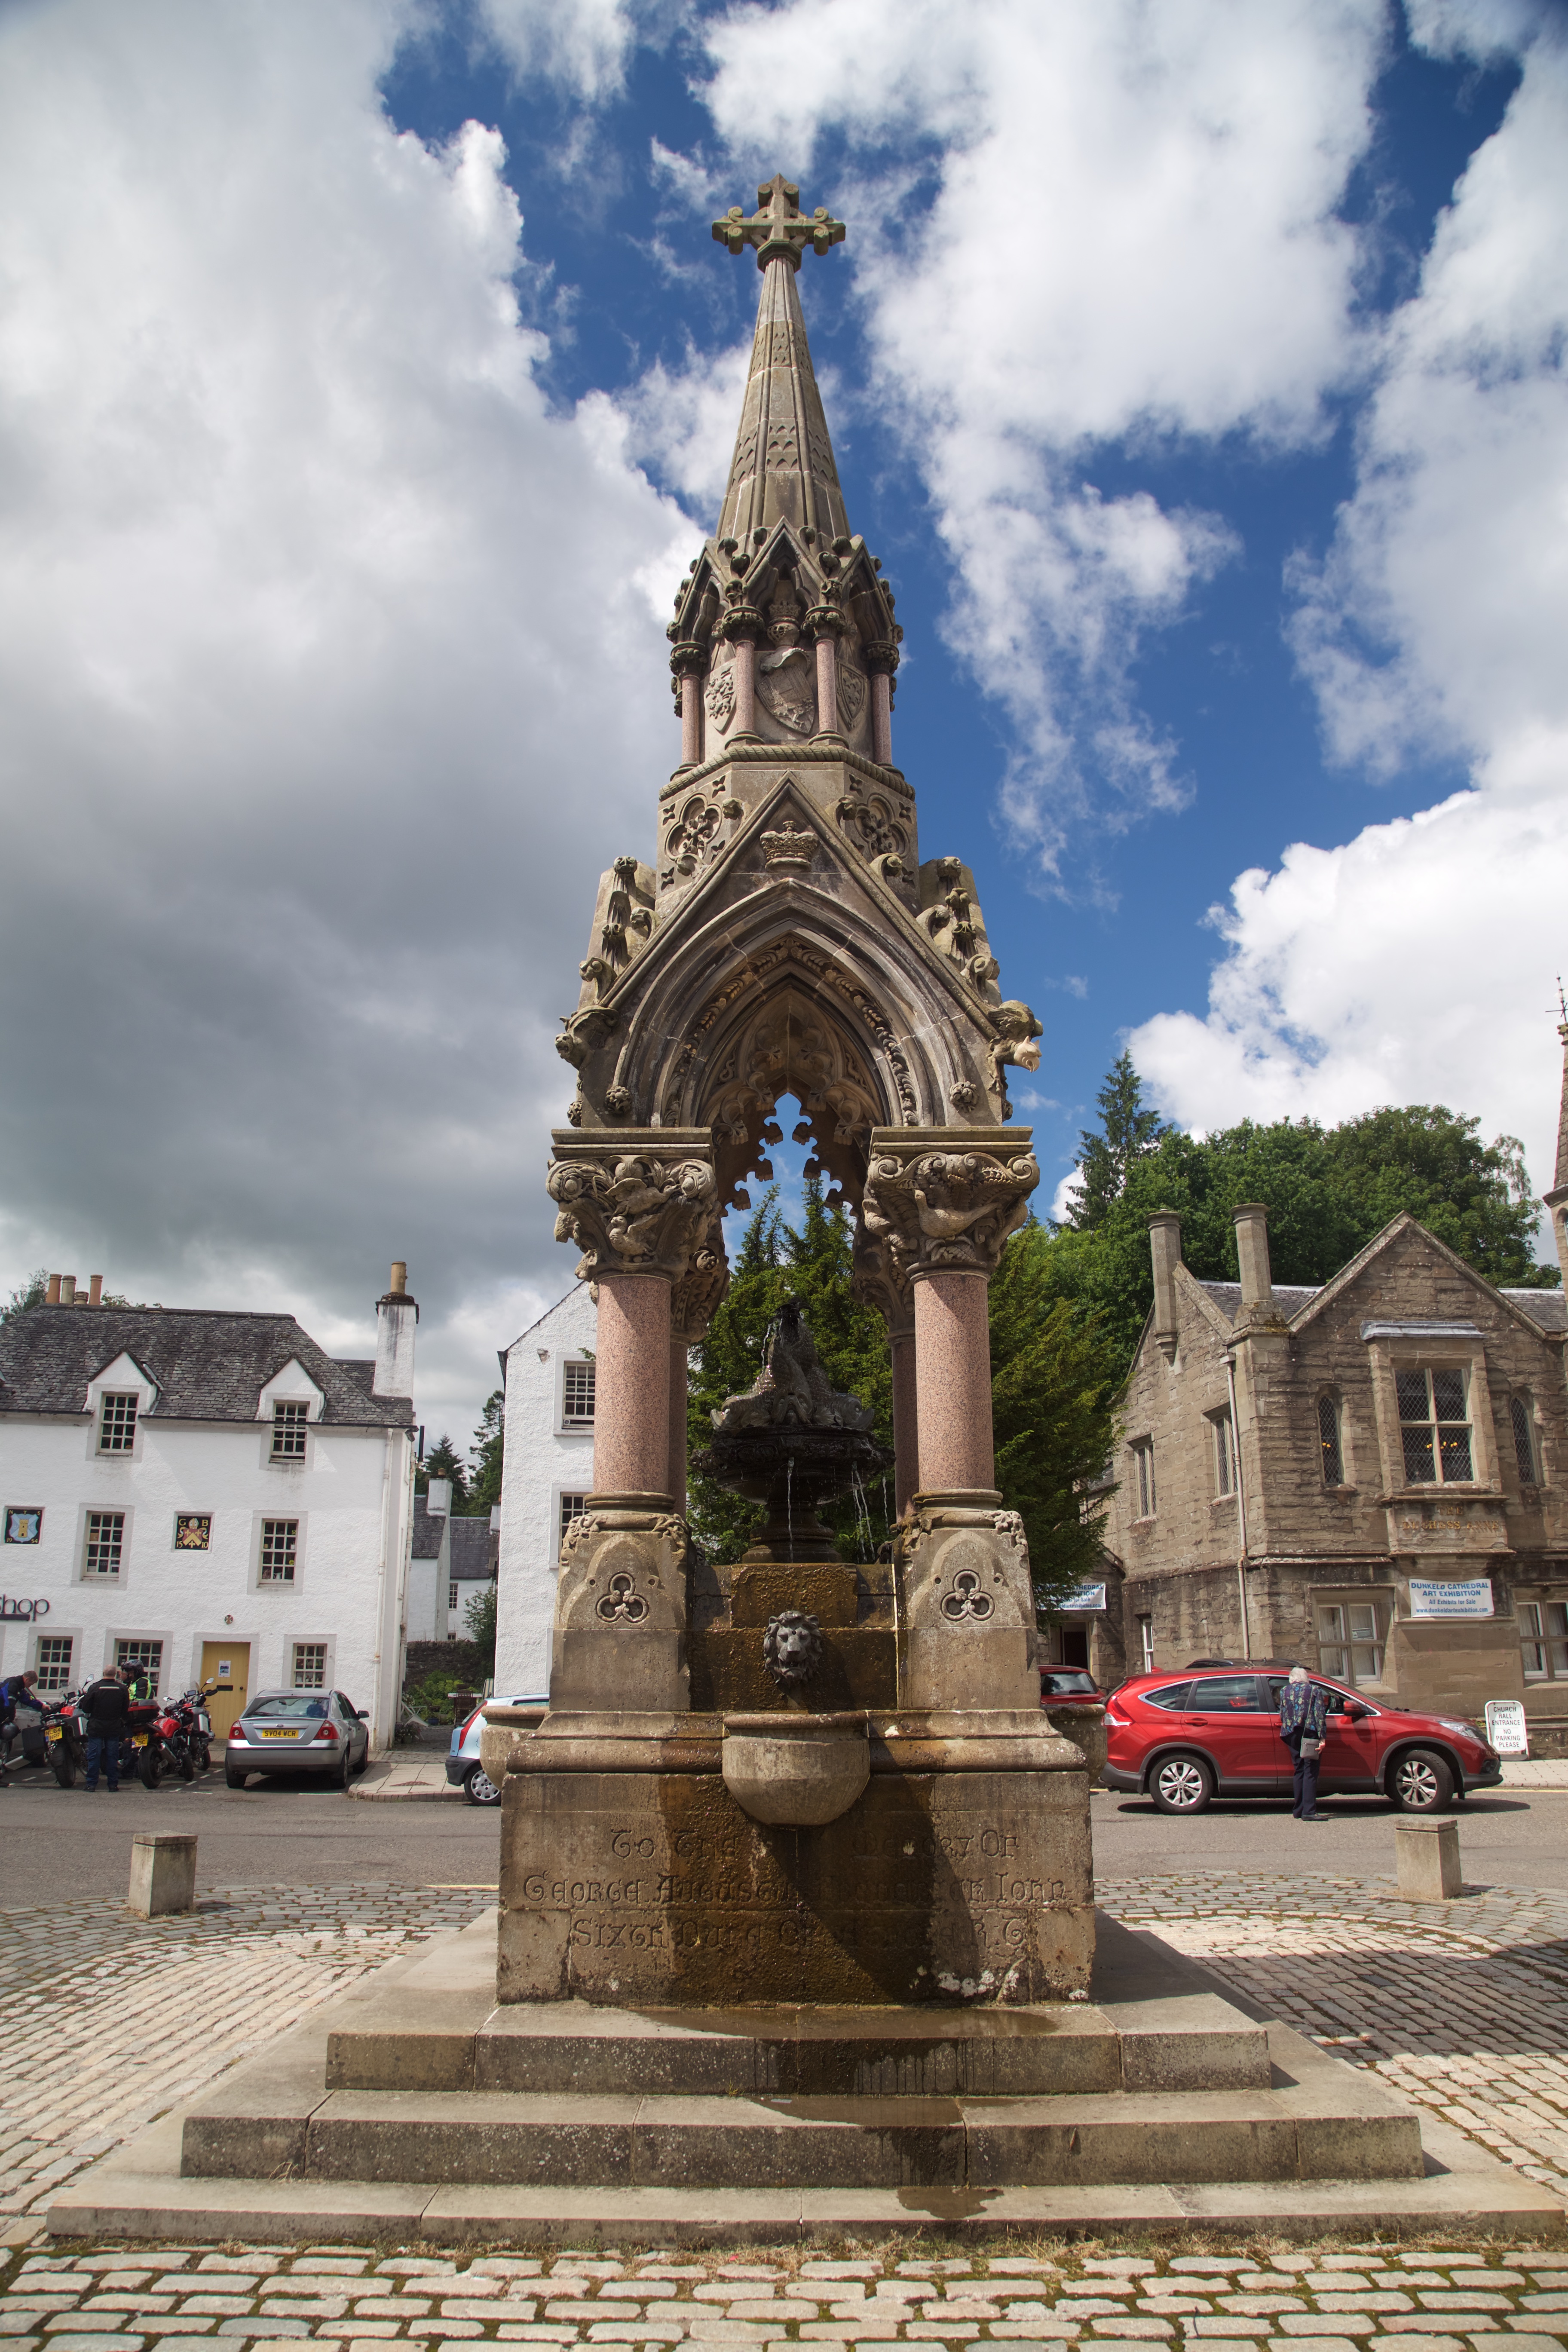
{"points": [[1310, 1746]]}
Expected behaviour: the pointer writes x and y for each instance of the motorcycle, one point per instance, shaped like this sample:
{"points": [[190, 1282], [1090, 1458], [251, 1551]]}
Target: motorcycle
{"points": [[172, 1738], [65, 1741]]}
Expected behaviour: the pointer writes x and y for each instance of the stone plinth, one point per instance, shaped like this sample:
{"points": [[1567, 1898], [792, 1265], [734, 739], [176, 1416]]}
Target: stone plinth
{"points": [[163, 1874], [630, 1876]]}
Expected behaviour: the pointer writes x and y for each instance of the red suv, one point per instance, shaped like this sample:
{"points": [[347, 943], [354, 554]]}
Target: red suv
{"points": [[1182, 1737]]}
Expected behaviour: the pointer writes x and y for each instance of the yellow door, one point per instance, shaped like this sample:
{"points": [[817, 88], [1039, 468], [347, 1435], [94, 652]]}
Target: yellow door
{"points": [[229, 1662]]}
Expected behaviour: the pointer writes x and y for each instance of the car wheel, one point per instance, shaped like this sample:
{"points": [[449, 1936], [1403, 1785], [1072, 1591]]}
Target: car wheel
{"points": [[1421, 1782], [479, 1788], [233, 1779], [1182, 1784], [344, 1772]]}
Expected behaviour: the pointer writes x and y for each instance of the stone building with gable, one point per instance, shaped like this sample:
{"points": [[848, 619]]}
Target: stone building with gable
{"points": [[206, 1492], [1370, 1477]]}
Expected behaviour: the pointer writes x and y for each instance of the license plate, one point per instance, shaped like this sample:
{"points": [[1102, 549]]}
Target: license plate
{"points": [[54, 1732], [139, 1739], [280, 1735]]}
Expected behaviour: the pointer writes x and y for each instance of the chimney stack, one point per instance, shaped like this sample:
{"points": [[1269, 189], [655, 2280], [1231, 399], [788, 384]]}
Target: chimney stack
{"points": [[1252, 1257], [438, 1498], [1165, 1248], [52, 1294], [95, 1290], [395, 1316]]}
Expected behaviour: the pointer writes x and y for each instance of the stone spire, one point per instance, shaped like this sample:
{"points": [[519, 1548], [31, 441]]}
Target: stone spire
{"points": [[783, 469], [1556, 1201]]}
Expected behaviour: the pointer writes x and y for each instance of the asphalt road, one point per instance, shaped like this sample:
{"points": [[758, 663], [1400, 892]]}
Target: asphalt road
{"points": [[57, 1842], [62, 1841], [1504, 1839]]}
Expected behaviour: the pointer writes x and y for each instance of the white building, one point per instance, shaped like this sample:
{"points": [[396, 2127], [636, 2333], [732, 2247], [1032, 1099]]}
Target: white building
{"points": [[206, 1493], [547, 1474], [450, 1560]]}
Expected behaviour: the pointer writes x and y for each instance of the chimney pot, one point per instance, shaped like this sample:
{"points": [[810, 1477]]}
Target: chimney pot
{"points": [[399, 1282], [95, 1290], [68, 1290], [52, 1294]]}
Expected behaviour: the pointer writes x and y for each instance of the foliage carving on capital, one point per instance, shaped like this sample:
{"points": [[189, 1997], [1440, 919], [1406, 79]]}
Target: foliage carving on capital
{"points": [[938, 1212], [631, 1212], [700, 1291]]}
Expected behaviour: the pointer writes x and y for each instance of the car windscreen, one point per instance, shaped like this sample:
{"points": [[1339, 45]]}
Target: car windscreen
{"points": [[1057, 1683], [1175, 1694], [289, 1705]]}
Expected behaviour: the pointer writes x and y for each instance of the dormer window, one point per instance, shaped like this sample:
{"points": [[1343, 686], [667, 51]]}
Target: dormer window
{"points": [[1435, 1426], [290, 1421], [117, 1424]]}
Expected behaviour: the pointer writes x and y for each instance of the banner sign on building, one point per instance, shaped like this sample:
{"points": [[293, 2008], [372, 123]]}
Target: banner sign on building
{"points": [[1088, 1599], [1506, 1726], [1457, 1596]]}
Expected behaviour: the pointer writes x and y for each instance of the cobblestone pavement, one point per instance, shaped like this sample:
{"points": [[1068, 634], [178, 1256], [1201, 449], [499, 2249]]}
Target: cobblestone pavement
{"points": [[107, 2020], [1440, 2299], [1461, 2006]]}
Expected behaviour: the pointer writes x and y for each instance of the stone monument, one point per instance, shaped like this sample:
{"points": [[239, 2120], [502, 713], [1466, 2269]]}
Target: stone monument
{"points": [[890, 1820]]}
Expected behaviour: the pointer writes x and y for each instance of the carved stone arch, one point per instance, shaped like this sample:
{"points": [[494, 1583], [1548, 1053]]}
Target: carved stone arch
{"points": [[789, 1041]]}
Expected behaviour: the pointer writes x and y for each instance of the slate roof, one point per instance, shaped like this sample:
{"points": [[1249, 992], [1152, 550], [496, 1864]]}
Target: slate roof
{"points": [[1289, 1298], [206, 1364], [1547, 1308], [471, 1548], [429, 1527]]}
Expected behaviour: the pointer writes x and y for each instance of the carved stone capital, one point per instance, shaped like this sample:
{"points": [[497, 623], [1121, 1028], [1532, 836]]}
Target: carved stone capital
{"points": [[699, 1292], [880, 1281], [688, 659], [880, 657], [941, 1202], [641, 1203]]}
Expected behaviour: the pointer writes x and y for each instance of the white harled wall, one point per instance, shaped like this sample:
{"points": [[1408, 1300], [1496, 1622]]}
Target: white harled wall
{"points": [[542, 1463], [353, 1495]]}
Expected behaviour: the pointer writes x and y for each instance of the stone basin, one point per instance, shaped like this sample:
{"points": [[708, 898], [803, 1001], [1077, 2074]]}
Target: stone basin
{"points": [[796, 1770]]}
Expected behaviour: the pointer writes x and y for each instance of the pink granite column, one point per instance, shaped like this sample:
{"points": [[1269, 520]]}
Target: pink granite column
{"points": [[906, 1421], [690, 719], [745, 687], [882, 718], [675, 1475], [631, 1390], [952, 1383], [828, 684]]}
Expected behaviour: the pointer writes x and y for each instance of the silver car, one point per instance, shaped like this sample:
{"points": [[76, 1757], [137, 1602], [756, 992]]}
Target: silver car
{"points": [[314, 1731]]}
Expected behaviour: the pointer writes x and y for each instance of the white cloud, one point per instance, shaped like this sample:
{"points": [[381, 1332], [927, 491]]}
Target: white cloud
{"points": [[1417, 961], [321, 638], [584, 46], [1129, 234]]}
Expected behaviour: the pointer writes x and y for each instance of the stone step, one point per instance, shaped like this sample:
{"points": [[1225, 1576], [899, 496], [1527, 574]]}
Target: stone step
{"points": [[1347, 2127], [1194, 2043]]}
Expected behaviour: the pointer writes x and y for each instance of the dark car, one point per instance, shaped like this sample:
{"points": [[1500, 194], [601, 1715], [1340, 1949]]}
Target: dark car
{"points": [[1069, 1686], [314, 1731], [1184, 1737]]}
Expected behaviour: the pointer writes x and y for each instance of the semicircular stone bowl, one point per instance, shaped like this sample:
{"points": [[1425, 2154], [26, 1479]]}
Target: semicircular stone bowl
{"points": [[796, 1770]]}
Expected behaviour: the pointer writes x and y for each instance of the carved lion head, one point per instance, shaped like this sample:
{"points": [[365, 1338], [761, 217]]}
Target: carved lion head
{"points": [[792, 1647]]}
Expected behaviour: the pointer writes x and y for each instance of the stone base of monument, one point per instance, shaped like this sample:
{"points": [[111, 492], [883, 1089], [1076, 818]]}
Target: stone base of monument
{"points": [[416, 2105]]}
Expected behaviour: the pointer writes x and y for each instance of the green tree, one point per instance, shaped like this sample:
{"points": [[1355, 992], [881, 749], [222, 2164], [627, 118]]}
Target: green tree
{"points": [[1329, 1192], [442, 1461], [1054, 1390], [1129, 1129], [20, 1300], [479, 1618], [487, 1453]]}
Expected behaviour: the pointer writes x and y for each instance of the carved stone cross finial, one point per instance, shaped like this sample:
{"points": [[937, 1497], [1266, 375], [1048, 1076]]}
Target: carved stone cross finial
{"points": [[778, 228]]}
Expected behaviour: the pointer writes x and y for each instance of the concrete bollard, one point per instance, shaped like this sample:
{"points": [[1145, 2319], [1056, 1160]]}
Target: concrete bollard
{"points": [[163, 1874], [1427, 1854]]}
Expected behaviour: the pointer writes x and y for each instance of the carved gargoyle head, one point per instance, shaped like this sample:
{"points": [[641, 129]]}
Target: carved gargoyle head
{"points": [[792, 1647]]}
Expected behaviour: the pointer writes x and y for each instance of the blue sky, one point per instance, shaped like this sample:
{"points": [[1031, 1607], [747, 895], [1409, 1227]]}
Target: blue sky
{"points": [[1195, 367]]}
